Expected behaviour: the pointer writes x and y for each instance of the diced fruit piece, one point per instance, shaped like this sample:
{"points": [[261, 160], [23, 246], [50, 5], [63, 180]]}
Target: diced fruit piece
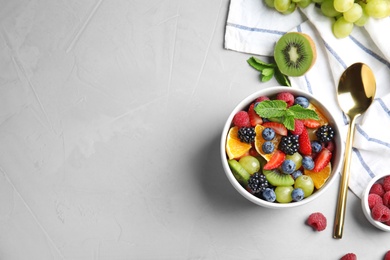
{"points": [[275, 161], [289, 144], [241, 119], [259, 141], [278, 127], [304, 143], [254, 118], [269, 195], [322, 119], [257, 183], [311, 123], [234, 147], [297, 194], [307, 163], [288, 166], [250, 164], [302, 101], [296, 158], [319, 178], [287, 97], [322, 159], [239, 172], [246, 134], [317, 221], [325, 133], [298, 127], [306, 184], [283, 194], [276, 178]]}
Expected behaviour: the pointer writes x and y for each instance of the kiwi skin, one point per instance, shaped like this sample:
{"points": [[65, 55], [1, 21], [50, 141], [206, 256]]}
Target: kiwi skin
{"points": [[306, 50]]}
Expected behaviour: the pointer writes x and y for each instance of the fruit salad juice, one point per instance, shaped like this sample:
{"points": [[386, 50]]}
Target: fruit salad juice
{"points": [[280, 148]]}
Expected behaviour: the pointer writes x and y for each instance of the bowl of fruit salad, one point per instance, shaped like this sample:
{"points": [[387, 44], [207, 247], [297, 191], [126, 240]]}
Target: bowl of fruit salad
{"points": [[281, 147], [376, 202]]}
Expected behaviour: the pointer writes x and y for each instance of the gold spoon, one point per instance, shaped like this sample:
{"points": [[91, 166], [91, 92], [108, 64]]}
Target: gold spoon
{"points": [[355, 94]]}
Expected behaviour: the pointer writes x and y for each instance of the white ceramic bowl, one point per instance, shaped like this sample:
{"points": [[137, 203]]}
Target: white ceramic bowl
{"points": [[336, 158], [365, 207]]}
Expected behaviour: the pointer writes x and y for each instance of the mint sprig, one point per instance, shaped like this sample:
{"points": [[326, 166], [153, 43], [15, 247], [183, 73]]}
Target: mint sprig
{"points": [[278, 109], [268, 71]]}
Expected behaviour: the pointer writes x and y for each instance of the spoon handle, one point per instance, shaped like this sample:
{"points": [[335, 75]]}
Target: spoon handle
{"points": [[343, 189]]}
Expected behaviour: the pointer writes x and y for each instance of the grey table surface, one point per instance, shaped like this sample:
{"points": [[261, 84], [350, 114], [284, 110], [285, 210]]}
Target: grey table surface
{"points": [[111, 113]]}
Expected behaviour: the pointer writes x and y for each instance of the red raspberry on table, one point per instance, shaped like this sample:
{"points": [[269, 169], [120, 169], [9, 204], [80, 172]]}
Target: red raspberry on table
{"points": [[241, 119], [386, 199], [387, 256], [349, 256], [380, 213], [287, 97], [317, 221], [386, 183], [377, 188], [374, 199]]}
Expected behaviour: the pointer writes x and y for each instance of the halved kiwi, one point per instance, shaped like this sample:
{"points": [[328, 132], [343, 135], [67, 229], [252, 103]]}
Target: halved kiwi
{"points": [[295, 53]]}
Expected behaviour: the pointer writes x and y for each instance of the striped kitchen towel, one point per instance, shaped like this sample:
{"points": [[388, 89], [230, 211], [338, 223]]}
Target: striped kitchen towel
{"points": [[253, 28]]}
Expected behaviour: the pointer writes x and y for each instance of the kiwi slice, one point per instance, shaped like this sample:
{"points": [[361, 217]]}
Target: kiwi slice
{"points": [[295, 53], [276, 178], [241, 175]]}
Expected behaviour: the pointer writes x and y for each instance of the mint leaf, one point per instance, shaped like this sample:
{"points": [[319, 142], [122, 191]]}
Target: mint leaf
{"points": [[257, 66], [271, 108], [300, 112], [266, 75], [281, 78], [289, 122], [258, 61]]}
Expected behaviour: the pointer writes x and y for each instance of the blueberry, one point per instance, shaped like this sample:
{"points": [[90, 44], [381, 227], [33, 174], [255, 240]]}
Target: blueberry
{"points": [[304, 102], [268, 147], [288, 166], [269, 195], [296, 174], [307, 163], [268, 134], [316, 146], [297, 194]]}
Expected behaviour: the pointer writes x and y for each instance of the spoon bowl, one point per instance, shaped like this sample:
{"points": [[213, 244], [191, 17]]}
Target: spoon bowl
{"points": [[355, 92]]}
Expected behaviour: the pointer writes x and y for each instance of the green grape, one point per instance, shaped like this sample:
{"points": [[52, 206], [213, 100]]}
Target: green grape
{"points": [[364, 18], [354, 13], [327, 9], [377, 8], [250, 164], [270, 3], [282, 5], [283, 194], [343, 5], [304, 3], [291, 8], [342, 28], [296, 158], [306, 184]]}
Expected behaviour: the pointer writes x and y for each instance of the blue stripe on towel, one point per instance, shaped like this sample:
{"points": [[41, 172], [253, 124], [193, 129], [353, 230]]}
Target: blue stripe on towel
{"points": [[334, 54], [371, 139], [252, 29], [383, 105], [364, 164]]}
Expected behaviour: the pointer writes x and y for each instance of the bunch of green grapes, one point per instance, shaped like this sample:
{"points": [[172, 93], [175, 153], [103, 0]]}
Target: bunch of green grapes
{"points": [[345, 14]]}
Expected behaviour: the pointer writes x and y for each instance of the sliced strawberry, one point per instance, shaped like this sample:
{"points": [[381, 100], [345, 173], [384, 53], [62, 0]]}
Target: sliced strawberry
{"points": [[304, 143], [254, 118], [275, 161], [278, 127], [298, 127], [329, 146], [311, 123], [322, 159]]}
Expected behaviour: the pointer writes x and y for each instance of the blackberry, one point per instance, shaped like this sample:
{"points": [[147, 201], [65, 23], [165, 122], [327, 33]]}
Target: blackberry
{"points": [[247, 134], [325, 133], [258, 182], [289, 144]]}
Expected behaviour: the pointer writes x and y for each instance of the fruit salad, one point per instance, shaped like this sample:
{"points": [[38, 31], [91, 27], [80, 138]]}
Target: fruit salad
{"points": [[280, 148]]}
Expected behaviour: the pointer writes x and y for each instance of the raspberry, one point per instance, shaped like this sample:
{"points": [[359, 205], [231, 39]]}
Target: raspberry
{"points": [[298, 127], [373, 199], [317, 221], [380, 213], [349, 256], [287, 97], [386, 183], [241, 119], [377, 188], [262, 98], [387, 256], [386, 199]]}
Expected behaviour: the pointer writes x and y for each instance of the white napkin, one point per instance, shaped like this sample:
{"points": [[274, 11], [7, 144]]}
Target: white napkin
{"points": [[253, 28]]}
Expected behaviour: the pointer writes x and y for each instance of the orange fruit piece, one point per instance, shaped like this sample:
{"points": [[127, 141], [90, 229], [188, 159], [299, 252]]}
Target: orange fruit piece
{"points": [[234, 147], [259, 141], [322, 119], [319, 178]]}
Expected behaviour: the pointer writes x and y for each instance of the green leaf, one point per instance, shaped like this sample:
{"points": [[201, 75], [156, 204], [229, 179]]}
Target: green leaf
{"points": [[256, 65], [300, 112], [281, 78], [271, 108], [268, 72], [289, 122], [269, 65]]}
